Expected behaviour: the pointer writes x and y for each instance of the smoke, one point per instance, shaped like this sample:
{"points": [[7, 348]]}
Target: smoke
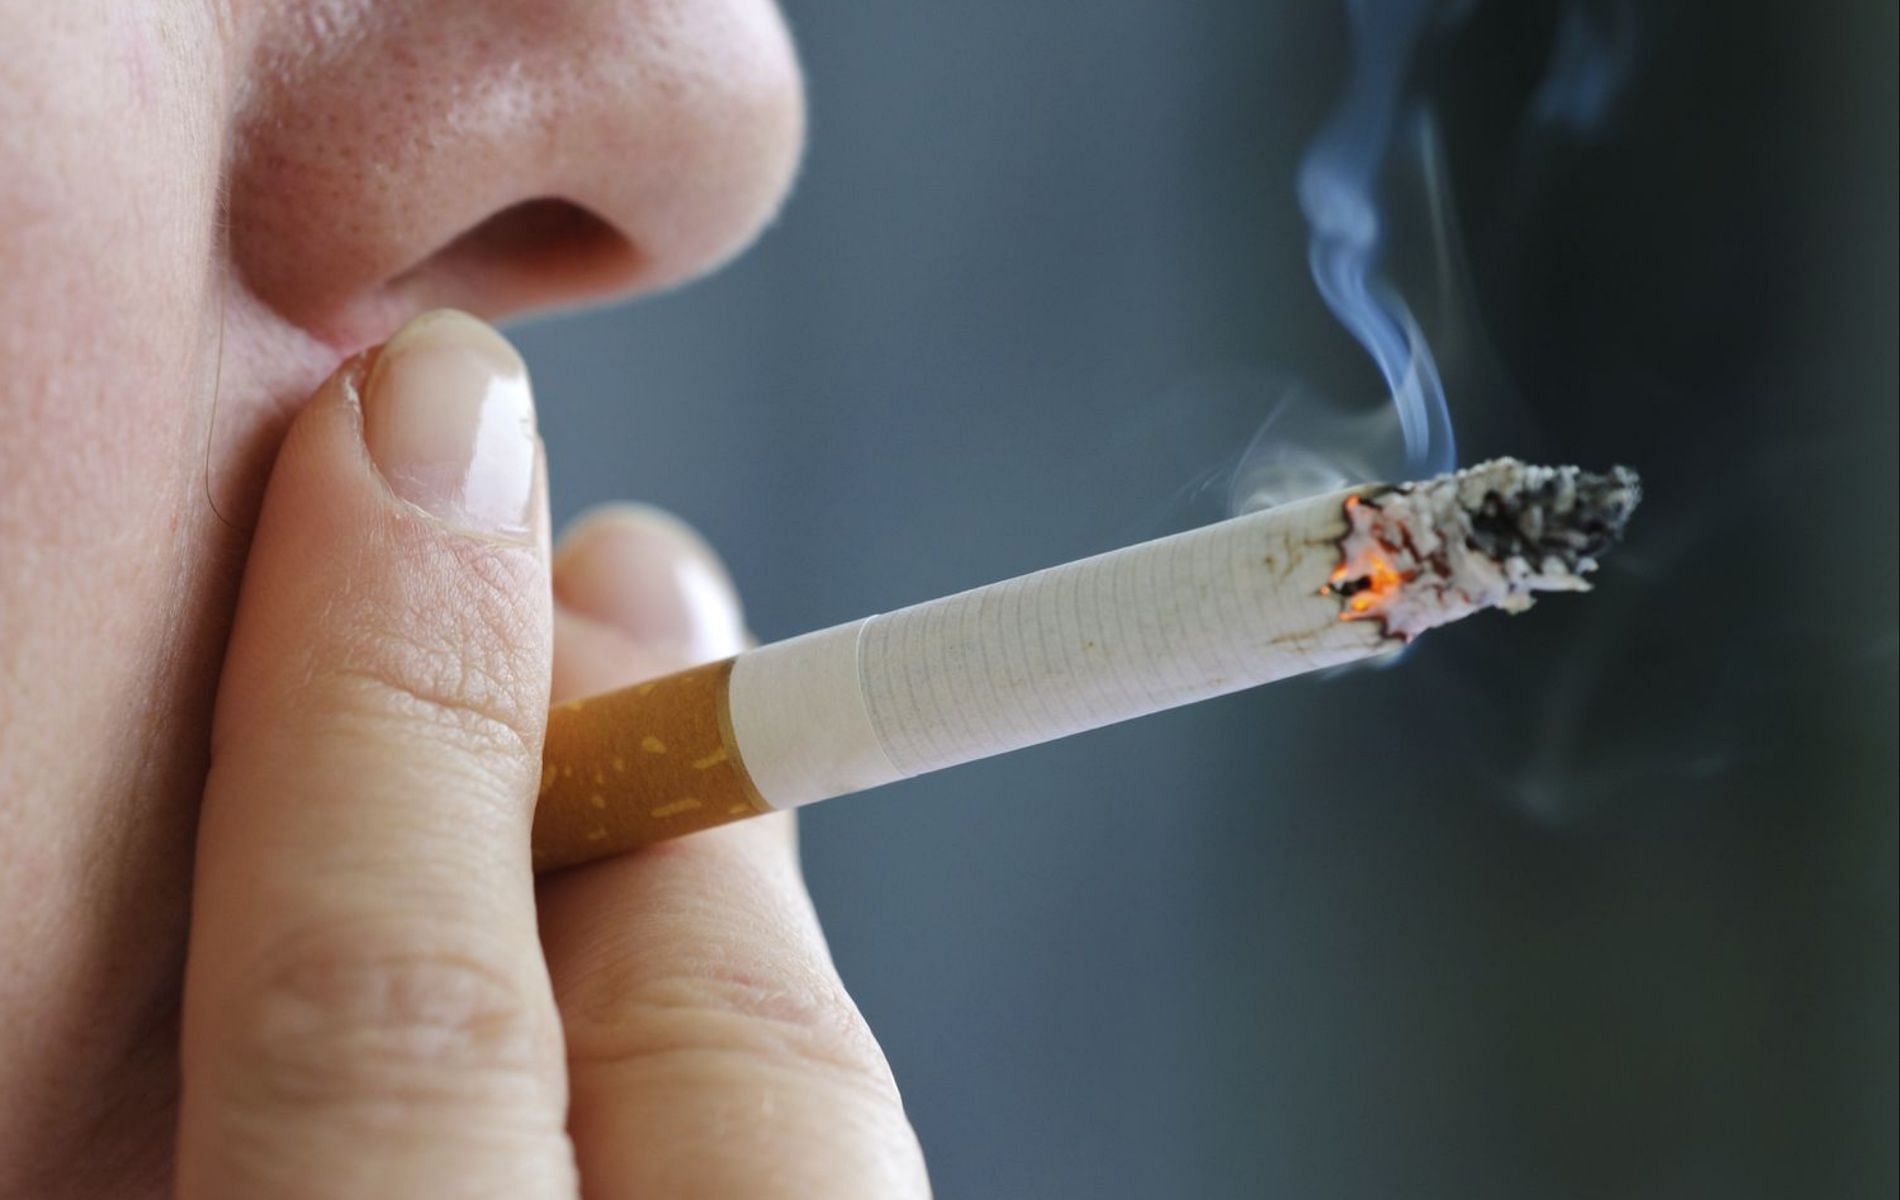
{"points": [[1339, 193], [1308, 445]]}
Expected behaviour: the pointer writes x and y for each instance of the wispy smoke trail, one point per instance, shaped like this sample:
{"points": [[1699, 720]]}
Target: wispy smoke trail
{"points": [[1338, 190], [1383, 128]]}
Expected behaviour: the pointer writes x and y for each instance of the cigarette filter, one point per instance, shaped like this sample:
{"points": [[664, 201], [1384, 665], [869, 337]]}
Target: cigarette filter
{"points": [[1303, 586]]}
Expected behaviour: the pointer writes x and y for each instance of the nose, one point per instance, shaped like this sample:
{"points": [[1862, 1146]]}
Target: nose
{"points": [[503, 155]]}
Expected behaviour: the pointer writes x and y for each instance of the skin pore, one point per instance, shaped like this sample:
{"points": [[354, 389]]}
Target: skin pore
{"points": [[207, 207]]}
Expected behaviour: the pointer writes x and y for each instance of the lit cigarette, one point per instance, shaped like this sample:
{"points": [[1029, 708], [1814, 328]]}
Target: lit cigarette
{"points": [[1300, 587]]}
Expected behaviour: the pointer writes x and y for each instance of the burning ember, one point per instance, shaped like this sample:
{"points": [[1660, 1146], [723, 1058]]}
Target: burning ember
{"points": [[1363, 584]]}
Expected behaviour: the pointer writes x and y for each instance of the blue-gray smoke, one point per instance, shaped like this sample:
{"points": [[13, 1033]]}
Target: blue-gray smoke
{"points": [[1309, 444], [1339, 192]]}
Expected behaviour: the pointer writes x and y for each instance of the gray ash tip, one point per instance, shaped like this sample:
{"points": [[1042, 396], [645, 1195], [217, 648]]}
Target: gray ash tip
{"points": [[1490, 536], [1541, 513]]}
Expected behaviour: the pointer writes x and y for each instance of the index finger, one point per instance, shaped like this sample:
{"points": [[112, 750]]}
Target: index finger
{"points": [[366, 1009]]}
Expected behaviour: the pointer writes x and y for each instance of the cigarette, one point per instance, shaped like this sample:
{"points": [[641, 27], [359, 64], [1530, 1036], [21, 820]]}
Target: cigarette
{"points": [[1313, 584]]}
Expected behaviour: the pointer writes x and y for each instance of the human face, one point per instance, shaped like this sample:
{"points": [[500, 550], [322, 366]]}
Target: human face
{"points": [[205, 205]]}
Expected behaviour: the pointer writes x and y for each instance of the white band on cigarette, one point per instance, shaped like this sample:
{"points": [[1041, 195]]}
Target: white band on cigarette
{"points": [[800, 721]]}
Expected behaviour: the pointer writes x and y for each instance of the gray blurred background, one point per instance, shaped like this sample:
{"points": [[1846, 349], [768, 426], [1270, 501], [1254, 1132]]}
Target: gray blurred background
{"points": [[1600, 902]]}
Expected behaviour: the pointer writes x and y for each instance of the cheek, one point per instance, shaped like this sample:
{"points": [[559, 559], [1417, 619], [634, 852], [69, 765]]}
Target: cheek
{"points": [[110, 141], [108, 196]]}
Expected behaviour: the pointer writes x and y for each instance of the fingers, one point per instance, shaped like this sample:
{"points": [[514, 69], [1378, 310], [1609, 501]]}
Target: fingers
{"points": [[367, 1012], [638, 594], [645, 577], [712, 1049]]}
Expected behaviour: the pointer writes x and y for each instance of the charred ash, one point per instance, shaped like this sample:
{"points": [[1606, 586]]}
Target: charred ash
{"points": [[1562, 513], [1422, 554]]}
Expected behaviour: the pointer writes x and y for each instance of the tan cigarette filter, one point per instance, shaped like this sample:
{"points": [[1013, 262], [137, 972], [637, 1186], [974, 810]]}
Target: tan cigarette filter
{"points": [[638, 766]]}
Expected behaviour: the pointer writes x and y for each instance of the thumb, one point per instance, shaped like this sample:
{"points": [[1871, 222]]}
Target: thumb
{"points": [[366, 1008]]}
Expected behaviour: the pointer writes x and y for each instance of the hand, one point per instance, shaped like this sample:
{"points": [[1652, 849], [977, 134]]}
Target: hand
{"points": [[370, 1007]]}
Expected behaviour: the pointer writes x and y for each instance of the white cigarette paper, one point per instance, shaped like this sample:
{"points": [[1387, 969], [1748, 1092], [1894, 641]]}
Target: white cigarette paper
{"points": [[1312, 584]]}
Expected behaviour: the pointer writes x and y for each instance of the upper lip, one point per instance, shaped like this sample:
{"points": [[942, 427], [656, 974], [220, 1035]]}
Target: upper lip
{"points": [[293, 359], [267, 369]]}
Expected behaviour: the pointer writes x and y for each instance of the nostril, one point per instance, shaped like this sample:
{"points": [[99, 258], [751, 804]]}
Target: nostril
{"points": [[530, 254], [545, 229]]}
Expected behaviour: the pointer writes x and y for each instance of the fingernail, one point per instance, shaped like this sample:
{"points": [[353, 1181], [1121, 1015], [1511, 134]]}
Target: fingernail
{"points": [[647, 574], [449, 420]]}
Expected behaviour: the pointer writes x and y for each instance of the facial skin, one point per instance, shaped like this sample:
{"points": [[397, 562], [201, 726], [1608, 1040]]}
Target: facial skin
{"points": [[205, 207]]}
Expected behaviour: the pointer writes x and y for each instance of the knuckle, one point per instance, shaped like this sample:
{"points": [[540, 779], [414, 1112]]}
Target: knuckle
{"points": [[446, 696], [372, 1013], [804, 1021], [464, 658]]}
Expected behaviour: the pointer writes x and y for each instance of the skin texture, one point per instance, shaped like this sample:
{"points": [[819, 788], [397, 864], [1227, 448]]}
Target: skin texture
{"points": [[206, 206]]}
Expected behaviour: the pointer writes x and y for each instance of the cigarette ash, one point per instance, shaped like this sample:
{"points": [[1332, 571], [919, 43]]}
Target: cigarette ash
{"points": [[1423, 554]]}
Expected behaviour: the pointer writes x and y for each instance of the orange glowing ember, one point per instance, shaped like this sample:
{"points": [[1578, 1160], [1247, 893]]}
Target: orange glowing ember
{"points": [[1364, 587]]}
